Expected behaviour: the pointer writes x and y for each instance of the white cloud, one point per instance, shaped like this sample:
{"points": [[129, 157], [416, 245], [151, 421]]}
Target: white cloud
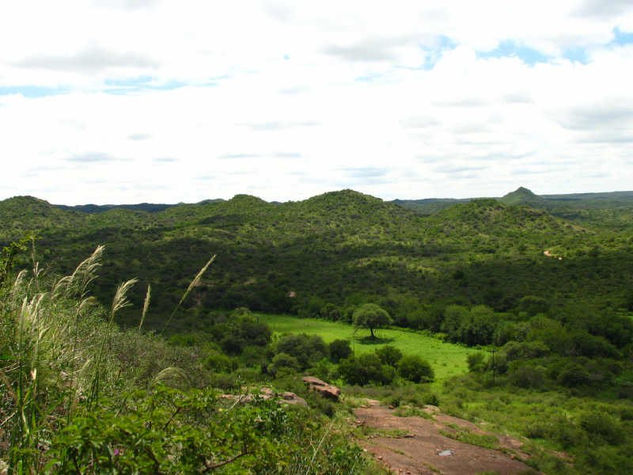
{"points": [[165, 101]]}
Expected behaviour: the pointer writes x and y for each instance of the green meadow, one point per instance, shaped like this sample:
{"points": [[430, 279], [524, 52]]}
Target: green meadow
{"points": [[447, 359]]}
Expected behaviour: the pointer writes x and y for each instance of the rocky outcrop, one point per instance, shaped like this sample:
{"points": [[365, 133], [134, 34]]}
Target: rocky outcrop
{"points": [[324, 389], [292, 398], [267, 393]]}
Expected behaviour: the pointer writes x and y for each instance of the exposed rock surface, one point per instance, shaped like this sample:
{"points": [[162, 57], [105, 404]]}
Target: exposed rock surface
{"points": [[419, 445], [324, 389]]}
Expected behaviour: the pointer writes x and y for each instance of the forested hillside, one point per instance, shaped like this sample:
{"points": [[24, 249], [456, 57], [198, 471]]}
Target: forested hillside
{"points": [[328, 253]]}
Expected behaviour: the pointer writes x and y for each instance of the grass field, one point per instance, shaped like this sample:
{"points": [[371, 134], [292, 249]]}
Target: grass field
{"points": [[446, 359]]}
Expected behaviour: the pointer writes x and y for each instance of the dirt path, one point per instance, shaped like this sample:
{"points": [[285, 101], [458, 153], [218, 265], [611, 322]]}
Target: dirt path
{"points": [[416, 445]]}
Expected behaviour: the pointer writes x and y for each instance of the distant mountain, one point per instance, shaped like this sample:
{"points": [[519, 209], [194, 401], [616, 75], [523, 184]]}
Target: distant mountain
{"points": [[592, 200], [91, 208], [523, 196]]}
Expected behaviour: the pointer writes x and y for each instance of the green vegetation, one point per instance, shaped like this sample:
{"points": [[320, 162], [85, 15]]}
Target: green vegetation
{"points": [[79, 395], [515, 312], [371, 316], [446, 359]]}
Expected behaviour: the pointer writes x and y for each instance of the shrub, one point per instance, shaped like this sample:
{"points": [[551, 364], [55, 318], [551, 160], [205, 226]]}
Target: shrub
{"points": [[283, 362], [339, 350], [242, 331], [307, 349], [330, 312], [218, 362], [415, 369], [574, 375], [389, 355], [515, 350], [532, 305], [527, 376], [476, 362], [365, 369], [603, 426]]}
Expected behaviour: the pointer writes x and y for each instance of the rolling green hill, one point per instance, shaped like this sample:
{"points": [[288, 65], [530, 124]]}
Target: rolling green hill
{"points": [[340, 248]]}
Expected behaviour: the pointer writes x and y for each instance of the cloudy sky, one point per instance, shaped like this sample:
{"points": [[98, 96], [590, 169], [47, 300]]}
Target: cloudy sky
{"points": [[120, 101]]}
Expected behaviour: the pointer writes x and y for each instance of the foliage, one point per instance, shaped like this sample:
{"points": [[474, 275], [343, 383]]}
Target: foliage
{"points": [[415, 369], [339, 350], [78, 394], [371, 316], [389, 355], [365, 369], [283, 361], [447, 359], [306, 349]]}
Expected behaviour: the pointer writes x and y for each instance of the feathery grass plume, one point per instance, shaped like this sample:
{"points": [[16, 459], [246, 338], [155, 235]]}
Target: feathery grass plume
{"points": [[18, 283], [118, 302], [85, 303], [85, 272], [120, 297], [61, 285], [148, 296], [196, 280], [172, 374]]}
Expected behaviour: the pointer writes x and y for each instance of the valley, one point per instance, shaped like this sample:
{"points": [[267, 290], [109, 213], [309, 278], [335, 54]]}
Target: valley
{"points": [[513, 314]]}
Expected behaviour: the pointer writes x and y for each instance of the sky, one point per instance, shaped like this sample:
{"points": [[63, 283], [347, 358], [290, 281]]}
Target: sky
{"points": [[127, 101]]}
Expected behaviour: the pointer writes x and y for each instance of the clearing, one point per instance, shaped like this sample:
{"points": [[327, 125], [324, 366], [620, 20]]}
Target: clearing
{"points": [[447, 359]]}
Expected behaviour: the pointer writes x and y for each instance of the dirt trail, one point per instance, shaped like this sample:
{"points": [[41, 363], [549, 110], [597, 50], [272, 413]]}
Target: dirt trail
{"points": [[415, 445]]}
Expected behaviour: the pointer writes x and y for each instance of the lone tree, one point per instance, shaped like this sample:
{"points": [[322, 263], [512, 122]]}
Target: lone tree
{"points": [[371, 316]]}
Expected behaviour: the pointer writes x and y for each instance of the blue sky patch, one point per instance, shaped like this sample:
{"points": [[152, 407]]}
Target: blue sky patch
{"points": [[509, 49], [32, 91], [129, 82], [434, 54], [576, 54], [142, 83], [369, 78], [621, 37]]}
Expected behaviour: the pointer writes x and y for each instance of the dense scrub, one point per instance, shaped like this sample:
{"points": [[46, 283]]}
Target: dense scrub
{"points": [[327, 255], [80, 395]]}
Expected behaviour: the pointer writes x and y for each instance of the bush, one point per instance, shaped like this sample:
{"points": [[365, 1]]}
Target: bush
{"points": [[365, 369], [574, 375], [415, 369], [389, 355], [339, 350], [219, 362], [307, 349], [240, 332], [515, 350], [526, 376], [602, 426], [532, 305], [283, 362], [476, 362]]}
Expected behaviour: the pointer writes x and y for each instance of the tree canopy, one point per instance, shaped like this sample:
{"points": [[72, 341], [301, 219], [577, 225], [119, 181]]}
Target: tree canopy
{"points": [[371, 316]]}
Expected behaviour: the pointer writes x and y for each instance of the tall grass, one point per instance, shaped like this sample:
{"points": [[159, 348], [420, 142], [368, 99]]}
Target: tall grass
{"points": [[47, 336], [60, 349]]}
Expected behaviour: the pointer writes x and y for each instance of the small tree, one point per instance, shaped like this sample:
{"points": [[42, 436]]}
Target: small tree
{"points": [[371, 316]]}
